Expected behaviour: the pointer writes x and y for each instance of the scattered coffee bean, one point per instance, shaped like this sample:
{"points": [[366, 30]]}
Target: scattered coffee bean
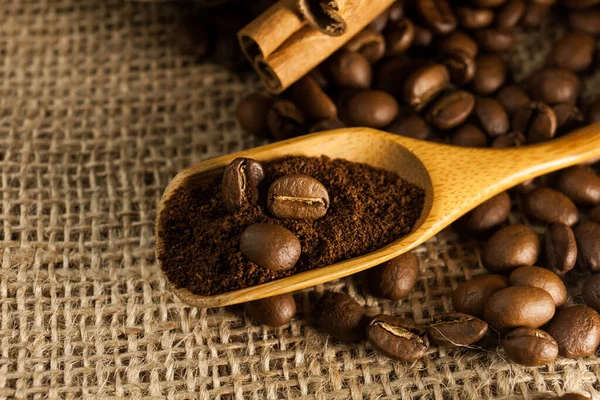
{"points": [[474, 18], [487, 215], [490, 73], [252, 113], [380, 22], [400, 36], [488, 3], [372, 108], [456, 329], [560, 248], [396, 11], [585, 21], [311, 99], [518, 306], [270, 246], [458, 42], [370, 43], [285, 120], [536, 120], [555, 85], [579, 184], [241, 179], [549, 205], [580, 4], [576, 329], [468, 135], [340, 316], [272, 311], [398, 338], [392, 74], [513, 139], [568, 116], [411, 126], [591, 291], [509, 15], [451, 109], [470, 297], [593, 112], [492, 116], [351, 70], [423, 36], [535, 14], [496, 39], [396, 278], [511, 247], [438, 15], [543, 279], [587, 236], [298, 197], [512, 98], [326, 124], [574, 51], [319, 77], [595, 214], [460, 66], [530, 347], [425, 84]]}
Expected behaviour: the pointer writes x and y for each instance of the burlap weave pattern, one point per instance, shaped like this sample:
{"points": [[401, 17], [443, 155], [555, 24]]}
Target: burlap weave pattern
{"points": [[98, 111]]}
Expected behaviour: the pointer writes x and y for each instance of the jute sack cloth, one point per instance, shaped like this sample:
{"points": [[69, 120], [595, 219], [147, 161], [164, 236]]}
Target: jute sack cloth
{"points": [[98, 112]]}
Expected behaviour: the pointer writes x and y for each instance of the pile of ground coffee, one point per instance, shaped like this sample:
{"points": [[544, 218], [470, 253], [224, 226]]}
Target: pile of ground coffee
{"points": [[369, 208]]}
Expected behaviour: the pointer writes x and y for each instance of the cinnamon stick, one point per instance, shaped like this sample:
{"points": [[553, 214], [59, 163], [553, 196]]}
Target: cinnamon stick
{"points": [[324, 15]]}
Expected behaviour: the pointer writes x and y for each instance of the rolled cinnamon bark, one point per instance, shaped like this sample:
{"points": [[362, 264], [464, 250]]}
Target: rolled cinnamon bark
{"points": [[324, 15]]}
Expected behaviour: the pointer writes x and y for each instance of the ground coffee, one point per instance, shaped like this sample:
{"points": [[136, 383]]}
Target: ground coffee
{"points": [[369, 208]]}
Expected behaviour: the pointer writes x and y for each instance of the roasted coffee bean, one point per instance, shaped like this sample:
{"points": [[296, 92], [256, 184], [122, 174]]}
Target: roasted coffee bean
{"points": [[372, 108], [488, 3], [468, 135], [311, 99], [560, 248], [512, 139], [241, 179], [460, 66], [487, 215], [540, 278], [380, 22], [451, 110], [369, 43], [587, 236], [326, 124], [568, 116], [579, 184], [411, 126], [438, 15], [574, 51], [342, 105], [399, 36], [456, 329], [595, 214], [492, 116], [270, 246], [535, 13], [495, 39], [474, 18], [576, 329], [397, 338], [272, 311], [591, 291], [351, 70], [396, 278], [425, 84], [511, 247], [470, 297], [319, 77], [549, 205], [393, 73], [580, 4], [593, 112], [252, 113], [423, 36], [490, 73], [509, 15], [340, 316], [530, 347], [536, 120], [512, 98], [585, 21], [458, 42], [517, 306], [298, 197], [286, 120], [555, 85]]}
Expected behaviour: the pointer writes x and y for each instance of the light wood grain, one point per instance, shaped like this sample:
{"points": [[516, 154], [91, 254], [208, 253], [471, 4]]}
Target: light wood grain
{"points": [[455, 180]]}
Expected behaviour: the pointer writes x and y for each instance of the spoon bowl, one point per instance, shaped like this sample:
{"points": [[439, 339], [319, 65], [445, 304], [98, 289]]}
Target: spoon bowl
{"points": [[455, 180]]}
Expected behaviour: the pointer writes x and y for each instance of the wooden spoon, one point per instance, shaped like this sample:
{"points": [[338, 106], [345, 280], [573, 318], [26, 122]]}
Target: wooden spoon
{"points": [[455, 179]]}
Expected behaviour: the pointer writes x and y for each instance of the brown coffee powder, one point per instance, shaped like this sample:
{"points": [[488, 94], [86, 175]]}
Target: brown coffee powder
{"points": [[369, 208]]}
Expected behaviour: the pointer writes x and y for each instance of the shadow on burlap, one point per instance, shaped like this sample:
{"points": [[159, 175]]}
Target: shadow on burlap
{"points": [[98, 112]]}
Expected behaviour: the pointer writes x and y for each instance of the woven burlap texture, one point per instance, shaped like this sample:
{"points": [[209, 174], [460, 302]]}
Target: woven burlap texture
{"points": [[98, 112]]}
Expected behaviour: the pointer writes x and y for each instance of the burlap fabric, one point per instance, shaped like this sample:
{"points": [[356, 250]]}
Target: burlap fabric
{"points": [[98, 111]]}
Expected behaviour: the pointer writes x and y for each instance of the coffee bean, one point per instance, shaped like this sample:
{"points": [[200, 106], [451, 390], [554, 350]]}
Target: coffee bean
{"points": [[326, 124], [396, 278], [555, 85], [530, 347], [438, 15], [579, 184], [585, 21], [468, 135], [536, 120], [470, 297], [423, 36], [392, 74], [340, 316], [272, 311], [311, 99], [458, 42], [425, 84], [460, 66], [492, 116], [593, 112], [511, 247], [474, 18], [488, 3], [270, 246], [380, 22], [587, 236], [451, 110], [595, 214], [495, 39], [370, 43], [319, 77], [517, 306], [580, 4], [560, 248], [398, 338], [591, 291], [540, 278], [252, 112], [351, 70], [576, 329], [456, 329], [509, 15], [410, 126], [574, 51], [396, 10], [241, 179], [490, 73], [512, 98], [512, 139], [372, 108], [399, 36], [568, 116], [535, 14], [549, 205], [487, 215], [286, 120], [298, 197], [342, 105]]}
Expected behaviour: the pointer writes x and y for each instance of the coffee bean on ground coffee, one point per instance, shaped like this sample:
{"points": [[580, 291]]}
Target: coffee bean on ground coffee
{"points": [[368, 209]]}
